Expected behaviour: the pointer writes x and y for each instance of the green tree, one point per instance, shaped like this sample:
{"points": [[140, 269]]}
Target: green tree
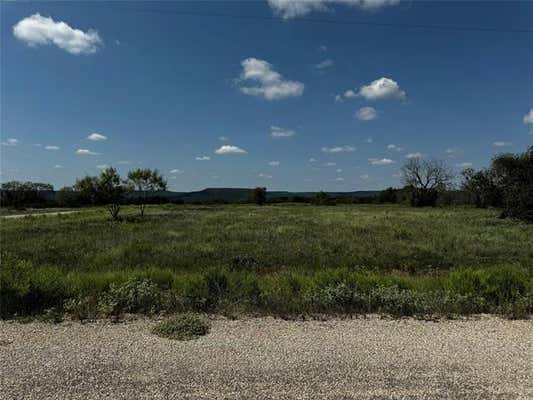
{"points": [[146, 180], [258, 196], [111, 191]]}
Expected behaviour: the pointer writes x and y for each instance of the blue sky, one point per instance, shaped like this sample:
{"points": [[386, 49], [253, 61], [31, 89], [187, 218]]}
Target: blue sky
{"points": [[310, 105]]}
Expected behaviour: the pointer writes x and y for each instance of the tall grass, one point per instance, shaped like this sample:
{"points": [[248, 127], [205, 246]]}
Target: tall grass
{"points": [[282, 260]]}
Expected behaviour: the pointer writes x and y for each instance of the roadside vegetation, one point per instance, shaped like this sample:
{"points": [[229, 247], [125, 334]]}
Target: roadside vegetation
{"points": [[185, 326], [284, 260]]}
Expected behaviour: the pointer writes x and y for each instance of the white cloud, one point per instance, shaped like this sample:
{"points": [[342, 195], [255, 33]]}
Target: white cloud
{"points": [[338, 98], [501, 144], [454, 152], [277, 132], [338, 149], [58, 166], [10, 142], [274, 163], [382, 161], [366, 114], [102, 166], [229, 149], [202, 158], [270, 84], [369, 140], [528, 118], [324, 64], [414, 155], [223, 138], [86, 152], [96, 137], [176, 171], [312, 159], [38, 30], [261, 175], [323, 48], [464, 164], [364, 176], [288, 9], [393, 147], [339, 179], [382, 88], [338, 170], [350, 94], [51, 147], [329, 164], [117, 42], [123, 162]]}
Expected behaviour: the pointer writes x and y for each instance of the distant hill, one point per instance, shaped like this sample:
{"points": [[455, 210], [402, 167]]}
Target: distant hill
{"points": [[241, 194]]}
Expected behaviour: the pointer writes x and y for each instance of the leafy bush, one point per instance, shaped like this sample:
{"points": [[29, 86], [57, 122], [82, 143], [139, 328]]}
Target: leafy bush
{"points": [[182, 327], [134, 296]]}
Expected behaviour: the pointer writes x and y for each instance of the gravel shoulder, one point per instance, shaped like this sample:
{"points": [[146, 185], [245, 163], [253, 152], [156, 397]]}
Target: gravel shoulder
{"points": [[266, 358]]}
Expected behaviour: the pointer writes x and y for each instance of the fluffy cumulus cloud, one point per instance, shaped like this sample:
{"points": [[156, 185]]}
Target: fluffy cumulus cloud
{"points": [[10, 142], [96, 137], [274, 163], [380, 89], [51, 147], [202, 158], [229, 149], [380, 161], [288, 9], [324, 64], [265, 82], [528, 118], [501, 144], [338, 149], [37, 30], [86, 152], [277, 132], [366, 114]]}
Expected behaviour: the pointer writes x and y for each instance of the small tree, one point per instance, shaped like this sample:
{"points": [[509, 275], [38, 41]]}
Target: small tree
{"points": [[258, 196], [426, 179], [87, 189], [323, 199], [146, 180], [482, 187], [111, 190]]}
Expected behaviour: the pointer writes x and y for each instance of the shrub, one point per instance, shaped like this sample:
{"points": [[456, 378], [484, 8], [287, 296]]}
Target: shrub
{"points": [[182, 327], [134, 296]]}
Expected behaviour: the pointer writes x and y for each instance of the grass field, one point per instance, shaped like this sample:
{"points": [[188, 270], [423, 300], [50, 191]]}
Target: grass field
{"points": [[282, 259]]}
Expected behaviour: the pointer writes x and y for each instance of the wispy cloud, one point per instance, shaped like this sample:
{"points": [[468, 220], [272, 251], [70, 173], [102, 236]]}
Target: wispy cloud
{"points": [[266, 176], [502, 144], [270, 84], [288, 9], [277, 132], [202, 158], [10, 142], [274, 163], [366, 114], [393, 147], [464, 164], [51, 147], [223, 138], [37, 30], [327, 63], [58, 166], [176, 171], [338, 149], [102, 166], [86, 152], [229, 149], [380, 161]]}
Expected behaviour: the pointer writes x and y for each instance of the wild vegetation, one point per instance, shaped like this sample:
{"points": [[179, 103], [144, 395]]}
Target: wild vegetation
{"points": [[278, 259]]}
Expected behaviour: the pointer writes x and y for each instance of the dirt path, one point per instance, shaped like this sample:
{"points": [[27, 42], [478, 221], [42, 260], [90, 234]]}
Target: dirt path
{"points": [[270, 359], [38, 214]]}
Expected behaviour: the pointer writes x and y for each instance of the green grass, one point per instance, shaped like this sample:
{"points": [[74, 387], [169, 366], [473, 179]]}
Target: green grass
{"points": [[282, 259]]}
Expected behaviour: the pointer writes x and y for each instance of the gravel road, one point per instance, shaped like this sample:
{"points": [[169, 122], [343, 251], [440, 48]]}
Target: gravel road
{"points": [[265, 358]]}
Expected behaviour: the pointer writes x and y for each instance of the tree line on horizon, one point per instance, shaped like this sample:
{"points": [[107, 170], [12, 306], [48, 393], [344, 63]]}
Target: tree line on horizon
{"points": [[507, 184]]}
